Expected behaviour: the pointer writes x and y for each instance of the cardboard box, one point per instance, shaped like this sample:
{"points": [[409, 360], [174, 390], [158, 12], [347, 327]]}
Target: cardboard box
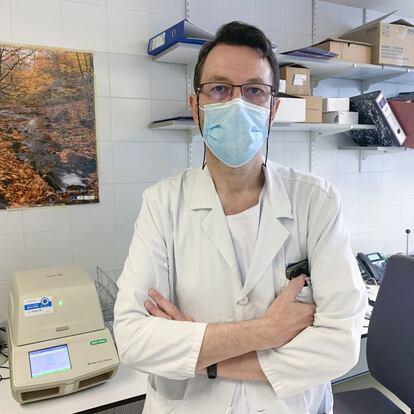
{"points": [[374, 110], [349, 50], [335, 104], [404, 112], [340, 117], [297, 79], [291, 109], [393, 43], [313, 109]]}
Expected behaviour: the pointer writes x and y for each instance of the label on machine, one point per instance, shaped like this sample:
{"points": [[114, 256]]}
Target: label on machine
{"points": [[38, 306]]}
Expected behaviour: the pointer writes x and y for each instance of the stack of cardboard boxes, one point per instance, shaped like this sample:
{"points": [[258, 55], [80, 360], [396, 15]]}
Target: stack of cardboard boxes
{"points": [[375, 42], [296, 104], [393, 43]]}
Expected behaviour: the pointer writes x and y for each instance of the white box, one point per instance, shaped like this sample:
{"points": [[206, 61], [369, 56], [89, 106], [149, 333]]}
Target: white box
{"points": [[291, 109], [340, 117], [282, 86], [335, 104]]}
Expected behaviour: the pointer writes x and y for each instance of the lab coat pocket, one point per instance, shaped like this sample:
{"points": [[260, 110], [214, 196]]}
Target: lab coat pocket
{"points": [[164, 395]]}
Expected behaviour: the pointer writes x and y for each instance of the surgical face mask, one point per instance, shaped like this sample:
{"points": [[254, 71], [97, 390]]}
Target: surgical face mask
{"points": [[235, 131]]}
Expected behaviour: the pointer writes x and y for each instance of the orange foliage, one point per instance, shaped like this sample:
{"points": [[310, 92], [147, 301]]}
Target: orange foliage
{"points": [[46, 97]]}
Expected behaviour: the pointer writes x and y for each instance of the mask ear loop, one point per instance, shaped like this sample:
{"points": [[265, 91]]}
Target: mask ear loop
{"points": [[201, 131], [268, 129]]}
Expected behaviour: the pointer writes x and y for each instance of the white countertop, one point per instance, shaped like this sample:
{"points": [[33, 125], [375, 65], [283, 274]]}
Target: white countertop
{"points": [[127, 383]]}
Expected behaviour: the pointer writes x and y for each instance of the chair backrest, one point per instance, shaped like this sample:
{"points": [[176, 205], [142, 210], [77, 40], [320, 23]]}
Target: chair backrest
{"points": [[390, 341]]}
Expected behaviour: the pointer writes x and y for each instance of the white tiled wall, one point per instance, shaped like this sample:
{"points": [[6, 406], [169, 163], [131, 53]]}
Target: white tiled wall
{"points": [[131, 90]]}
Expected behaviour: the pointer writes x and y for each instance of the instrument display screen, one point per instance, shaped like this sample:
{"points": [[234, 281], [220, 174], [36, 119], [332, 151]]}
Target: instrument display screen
{"points": [[49, 360]]}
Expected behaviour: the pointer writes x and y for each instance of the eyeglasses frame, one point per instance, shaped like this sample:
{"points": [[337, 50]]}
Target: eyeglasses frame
{"points": [[273, 93]]}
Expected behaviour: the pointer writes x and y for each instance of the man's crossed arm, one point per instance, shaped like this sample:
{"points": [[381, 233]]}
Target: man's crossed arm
{"points": [[233, 345]]}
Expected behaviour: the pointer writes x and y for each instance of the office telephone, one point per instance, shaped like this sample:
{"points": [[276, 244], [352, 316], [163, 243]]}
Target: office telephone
{"points": [[372, 267]]}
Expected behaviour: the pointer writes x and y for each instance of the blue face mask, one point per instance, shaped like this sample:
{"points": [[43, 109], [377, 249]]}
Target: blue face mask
{"points": [[235, 131]]}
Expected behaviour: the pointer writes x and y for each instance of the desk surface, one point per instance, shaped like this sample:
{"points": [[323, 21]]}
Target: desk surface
{"points": [[127, 383]]}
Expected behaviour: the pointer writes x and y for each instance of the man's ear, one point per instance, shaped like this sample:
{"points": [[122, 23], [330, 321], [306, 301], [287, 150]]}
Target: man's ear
{"points": [[275, 107], [192, 102]]}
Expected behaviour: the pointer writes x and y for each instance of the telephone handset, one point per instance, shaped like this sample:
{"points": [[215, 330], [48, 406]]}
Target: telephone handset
{"points": [[371, 265]]}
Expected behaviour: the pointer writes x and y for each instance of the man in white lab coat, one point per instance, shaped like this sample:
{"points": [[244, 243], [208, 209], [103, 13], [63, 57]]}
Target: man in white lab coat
{"points": [[204, 305]]}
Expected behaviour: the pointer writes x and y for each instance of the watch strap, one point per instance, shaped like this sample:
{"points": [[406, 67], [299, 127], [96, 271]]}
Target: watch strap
{"points": [[212, 371]]}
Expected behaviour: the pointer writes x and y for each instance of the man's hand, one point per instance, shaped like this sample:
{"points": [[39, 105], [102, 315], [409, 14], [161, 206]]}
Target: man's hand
{"points": [[163, 308], [285, 317]]}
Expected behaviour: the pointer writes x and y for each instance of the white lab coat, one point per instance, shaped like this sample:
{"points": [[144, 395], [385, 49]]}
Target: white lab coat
{"points": [[182, 247]]}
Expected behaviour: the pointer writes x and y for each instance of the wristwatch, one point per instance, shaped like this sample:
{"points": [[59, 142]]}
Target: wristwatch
{"points": [[212, 371]]}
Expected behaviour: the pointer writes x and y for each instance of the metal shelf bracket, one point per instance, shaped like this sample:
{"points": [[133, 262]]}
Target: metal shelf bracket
{"points": [[314, 135]]}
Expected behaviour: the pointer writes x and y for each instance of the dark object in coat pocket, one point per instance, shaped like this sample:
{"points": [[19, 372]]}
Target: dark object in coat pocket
{"points": [[296, 269]]}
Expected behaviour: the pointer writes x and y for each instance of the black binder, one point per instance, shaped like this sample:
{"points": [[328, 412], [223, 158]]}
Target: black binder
{"points": [[374, 109]]}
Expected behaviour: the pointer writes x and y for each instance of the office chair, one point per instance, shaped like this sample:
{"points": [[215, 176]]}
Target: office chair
{"points": [[390, 345]]}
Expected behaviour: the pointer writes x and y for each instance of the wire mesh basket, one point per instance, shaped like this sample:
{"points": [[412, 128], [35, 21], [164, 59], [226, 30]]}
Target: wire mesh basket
{"points": [[107, 292]]}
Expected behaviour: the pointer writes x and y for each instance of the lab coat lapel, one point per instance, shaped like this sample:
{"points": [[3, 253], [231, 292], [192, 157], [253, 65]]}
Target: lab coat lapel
{"points": [[272, 234], [214, 224]]}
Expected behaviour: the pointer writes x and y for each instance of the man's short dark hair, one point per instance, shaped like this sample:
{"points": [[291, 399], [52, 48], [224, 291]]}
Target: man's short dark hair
{"points": [[239, 34]]}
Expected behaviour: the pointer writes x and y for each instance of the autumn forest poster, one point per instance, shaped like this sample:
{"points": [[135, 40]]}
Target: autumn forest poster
{"points": [[47, 127]]}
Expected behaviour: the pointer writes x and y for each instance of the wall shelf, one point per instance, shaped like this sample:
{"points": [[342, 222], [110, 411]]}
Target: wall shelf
{"points": [[368, 74], [367, 151], [173, 124], [181, 53], [184, 53], [319, 129]]}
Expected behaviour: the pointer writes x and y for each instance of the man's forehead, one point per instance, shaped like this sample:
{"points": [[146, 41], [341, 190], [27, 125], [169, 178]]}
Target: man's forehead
{"points": [[219, 78], [236, 64]]}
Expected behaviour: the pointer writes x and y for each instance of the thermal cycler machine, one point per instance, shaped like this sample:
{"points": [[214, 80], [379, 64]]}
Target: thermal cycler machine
{"points": [[58, 342]]}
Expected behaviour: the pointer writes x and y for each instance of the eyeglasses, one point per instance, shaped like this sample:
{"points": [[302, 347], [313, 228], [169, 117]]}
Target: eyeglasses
{"points": [[255, 93]]}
